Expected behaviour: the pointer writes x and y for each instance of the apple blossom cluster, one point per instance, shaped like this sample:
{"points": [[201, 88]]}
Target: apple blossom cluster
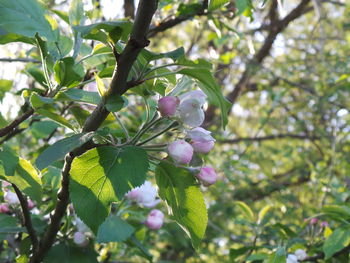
{"points": [[188, 108], [146, 196]]}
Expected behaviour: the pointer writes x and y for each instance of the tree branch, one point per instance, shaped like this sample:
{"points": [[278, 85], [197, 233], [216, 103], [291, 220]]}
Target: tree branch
{"points": [[129, 8], [137, 41], [276, 27], [4, 131], [27, 221], [256, 192], [19, 60], [270, 137]]}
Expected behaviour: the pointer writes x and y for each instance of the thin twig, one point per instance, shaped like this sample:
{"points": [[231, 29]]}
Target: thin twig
{"points": [[19, 60], [4, 131], [27, 221]]}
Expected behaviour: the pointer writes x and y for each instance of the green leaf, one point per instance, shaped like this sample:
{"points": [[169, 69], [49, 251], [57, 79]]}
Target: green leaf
{"points": [[11, 37], [115, 103], [174, 55], [279, 256], [42, 129], [246, 211], [114, 229], [27, 180], [26, 18], [60, 148], [97, 31], [38, 101], [215, 4], [8, 163], [38, 75], [337, 211], [5, 86], [55, 117], [68, 74], [242, 5], [210, 87], [21, 173], [79, 95], [76, 12], [178, 187], [8, 225], [64, 253], [103, 175], [339, 239]]}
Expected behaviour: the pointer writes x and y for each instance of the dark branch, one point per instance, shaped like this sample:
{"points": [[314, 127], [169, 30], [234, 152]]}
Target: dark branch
{"points": [[9, 128], [277, 183], [27, 221], [270, 137], [129, 8], [19, 60], [276, 27]]}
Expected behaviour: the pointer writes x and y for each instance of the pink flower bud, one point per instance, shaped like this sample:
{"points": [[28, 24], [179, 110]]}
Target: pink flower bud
{"points": [[313, 221], [202, 141], [155, 219], [324, 224], [181, 151], [5, 184], [31, 204], [4, 208], [168, 105], [80, 239], [207, 175], [202, 147]]}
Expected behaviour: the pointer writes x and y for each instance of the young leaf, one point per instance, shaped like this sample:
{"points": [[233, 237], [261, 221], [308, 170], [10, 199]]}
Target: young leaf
{"points": [[103, 175], [215, 4], [114, 229], [247, 212], [178, 187], [60, 148]]}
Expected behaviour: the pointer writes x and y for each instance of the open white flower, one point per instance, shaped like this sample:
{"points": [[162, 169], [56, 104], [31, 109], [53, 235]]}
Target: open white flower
{"points": [[300, 254], [144, 195], [292, 258], [190, 109]]}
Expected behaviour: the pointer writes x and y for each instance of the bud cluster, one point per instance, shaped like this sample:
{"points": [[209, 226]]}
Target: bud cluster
{"points": [[188, 108]]}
